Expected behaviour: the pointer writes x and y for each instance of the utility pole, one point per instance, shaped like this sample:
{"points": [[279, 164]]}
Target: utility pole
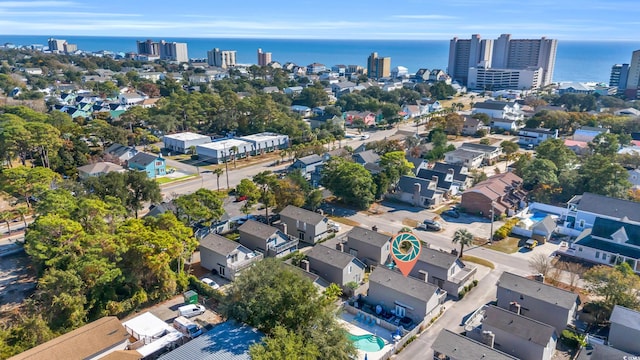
{"points": [[226, 164], [491, 234]]}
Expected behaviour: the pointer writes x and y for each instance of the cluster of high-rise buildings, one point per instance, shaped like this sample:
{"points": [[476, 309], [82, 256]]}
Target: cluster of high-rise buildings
{"points": [[378, 67], [503, 63], [626, 77], [61, 46], [171, 51], [264, 58]]}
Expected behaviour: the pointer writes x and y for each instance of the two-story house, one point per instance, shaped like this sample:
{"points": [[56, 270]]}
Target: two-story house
{"points": [[536, 300], [463, 157], [368, 118], [528, 136], [366, 157], [610, 242], [582, 210], [308, 226], [307, 164], [471, 126], [516, 335], [444, 270], [490, 153], [367, 245], [153, 165], [418, 191], [461, 178], [500, 194], [444, 181], [504, 115], [227, 258], [266, 239], [405, 296], [453, 346], [625, 330], [119, 154], [335, 266]]}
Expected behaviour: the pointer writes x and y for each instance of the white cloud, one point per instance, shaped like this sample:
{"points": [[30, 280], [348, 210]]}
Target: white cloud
{"points": [[32, 4], [426, 17]]}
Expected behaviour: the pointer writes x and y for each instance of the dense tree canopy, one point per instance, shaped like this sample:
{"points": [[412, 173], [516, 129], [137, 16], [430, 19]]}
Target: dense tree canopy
{"points": [[350, 182]]}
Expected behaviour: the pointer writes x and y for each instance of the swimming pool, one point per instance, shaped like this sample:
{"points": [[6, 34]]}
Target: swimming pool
{"points": [[367, 342], [538, 216]]}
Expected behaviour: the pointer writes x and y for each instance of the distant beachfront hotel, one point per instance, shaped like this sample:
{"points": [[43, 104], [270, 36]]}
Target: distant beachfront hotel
{"points": [[503, 63], [221, 58], [264, 58], [626, 77], [378, 67], [61, 46], [172, 51]]}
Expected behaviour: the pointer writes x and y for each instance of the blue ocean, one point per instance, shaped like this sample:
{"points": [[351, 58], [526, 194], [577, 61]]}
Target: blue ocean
{"points": [[575, 60]]}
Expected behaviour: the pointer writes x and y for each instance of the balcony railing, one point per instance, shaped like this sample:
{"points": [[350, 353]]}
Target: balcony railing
{"points": [[241, 265]]}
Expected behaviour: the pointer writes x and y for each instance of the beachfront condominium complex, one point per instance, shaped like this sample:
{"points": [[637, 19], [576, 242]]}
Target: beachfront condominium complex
{"points": [[264, 58], [633, 78], [378, 67], [172, 51], [495, 59], [221, 58], [61, 46], [619, 74]]}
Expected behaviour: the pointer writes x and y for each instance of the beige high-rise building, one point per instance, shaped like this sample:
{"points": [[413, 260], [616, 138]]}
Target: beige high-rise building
{"points": [[633, 78], [174, 51], [221, 58], [503, 53], [378, 67], [264, 58], [56, 45]]}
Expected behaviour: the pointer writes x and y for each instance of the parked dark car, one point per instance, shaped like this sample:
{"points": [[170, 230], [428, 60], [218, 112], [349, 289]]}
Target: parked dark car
{"points": [[451, 213]]}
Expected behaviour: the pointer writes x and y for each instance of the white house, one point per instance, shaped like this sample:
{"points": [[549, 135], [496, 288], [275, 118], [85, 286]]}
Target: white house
{"points": [[131, 98], [588, 133], [500, 112], [469, 158], [293, 90], [181, 142], [534, 137]]}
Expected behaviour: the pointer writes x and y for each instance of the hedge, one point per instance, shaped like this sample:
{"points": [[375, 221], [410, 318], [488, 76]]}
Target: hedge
{"points": [[505, 229]]}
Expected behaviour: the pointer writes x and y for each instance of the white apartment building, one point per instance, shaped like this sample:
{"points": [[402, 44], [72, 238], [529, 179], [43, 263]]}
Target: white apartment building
{"points": [[221, 58], [484, 78]]}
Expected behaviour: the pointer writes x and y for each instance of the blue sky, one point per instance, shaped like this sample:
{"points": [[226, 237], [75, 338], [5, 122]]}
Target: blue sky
{"points": [[329, 19]]}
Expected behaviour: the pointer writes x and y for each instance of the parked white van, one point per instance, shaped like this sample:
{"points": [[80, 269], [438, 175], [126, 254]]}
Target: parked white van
{"points": [[190, 310], [187, 327]]}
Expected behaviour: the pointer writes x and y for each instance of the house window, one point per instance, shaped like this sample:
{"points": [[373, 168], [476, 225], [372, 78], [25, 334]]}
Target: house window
{"points": [[400, 311], [597, 254], [353, 252], [221, 270], [350, 268], [301, 235], [158, 163], [453, 270], [581, 223], [604, 256], [387, 247], [521, 297], [579, 248]]}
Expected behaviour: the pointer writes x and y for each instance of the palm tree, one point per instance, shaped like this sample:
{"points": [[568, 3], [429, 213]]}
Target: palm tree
{"points": [[464, 238], [218, 172], [234, 149]]}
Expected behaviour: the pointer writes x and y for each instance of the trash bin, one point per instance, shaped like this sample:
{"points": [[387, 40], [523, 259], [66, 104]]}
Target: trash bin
{"points": [[190, 297]]}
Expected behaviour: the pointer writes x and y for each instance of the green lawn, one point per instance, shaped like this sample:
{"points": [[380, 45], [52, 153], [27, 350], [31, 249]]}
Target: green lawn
{"points": [[166, 180], [507, 245]]}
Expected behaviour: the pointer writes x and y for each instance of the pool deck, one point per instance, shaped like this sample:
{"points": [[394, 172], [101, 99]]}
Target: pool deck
{"points": [[357, 328]]}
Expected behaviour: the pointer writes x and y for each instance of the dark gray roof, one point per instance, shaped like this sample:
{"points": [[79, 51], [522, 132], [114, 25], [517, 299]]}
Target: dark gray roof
{"points": [[331, 257], [373, 168], [518, 325], [537, 290], [226, 341], [593, 128], [143, 159], [218, 244], [548, 224], [311, 159], [303, 215], [368, 156], [625, 317], [601, 352], [100, 167], [461, 347], [539, 131], [608, 206], [466, 153], [492, 105], [159, 209], [257, 229], [585, 239], [368, 236], [479, 147], [407, 285], [118, 149], [406, 184], [428, 174], [437, 258], [457, 170]]}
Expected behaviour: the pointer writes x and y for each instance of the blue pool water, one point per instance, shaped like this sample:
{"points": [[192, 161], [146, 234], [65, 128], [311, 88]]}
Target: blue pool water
{"points": [[370, 343], [538, 216]]}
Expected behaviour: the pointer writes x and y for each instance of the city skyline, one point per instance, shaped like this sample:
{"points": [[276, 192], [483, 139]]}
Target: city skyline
{"points": [[408, 19]]}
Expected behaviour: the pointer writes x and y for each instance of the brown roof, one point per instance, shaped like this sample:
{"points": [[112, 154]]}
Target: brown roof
{"points": [[123, 355], [80, 343], [497, 186]]}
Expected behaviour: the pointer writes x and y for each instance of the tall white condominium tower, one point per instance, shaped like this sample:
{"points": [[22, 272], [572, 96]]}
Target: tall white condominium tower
{"points": [[503, 53], [174, 51], [221, 58], [633, 78]]}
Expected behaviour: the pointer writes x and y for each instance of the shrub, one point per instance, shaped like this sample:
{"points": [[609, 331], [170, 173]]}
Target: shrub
{"points": [[154, 149], [504, 230], [572, 339], [475, 282], [462, 293]]}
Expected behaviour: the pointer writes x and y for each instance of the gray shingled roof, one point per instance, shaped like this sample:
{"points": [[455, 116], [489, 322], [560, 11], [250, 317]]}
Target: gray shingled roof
{"points": [[625, 317], [311, 159], [437, 258], [403, 284], [369, 236], [100, 167], [601, 352], [227, 341], [118, 149], [465, 153], [143, 159], [406, 184], [539, 131], [457, 170], [479, 147], [548, 224], [538, 290], [218, 244], [428, 174], [461, 347], [518, 325], [604, 205], [303, 215], [257, 229], [492, 105], [332, 257], [368, 156]]}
